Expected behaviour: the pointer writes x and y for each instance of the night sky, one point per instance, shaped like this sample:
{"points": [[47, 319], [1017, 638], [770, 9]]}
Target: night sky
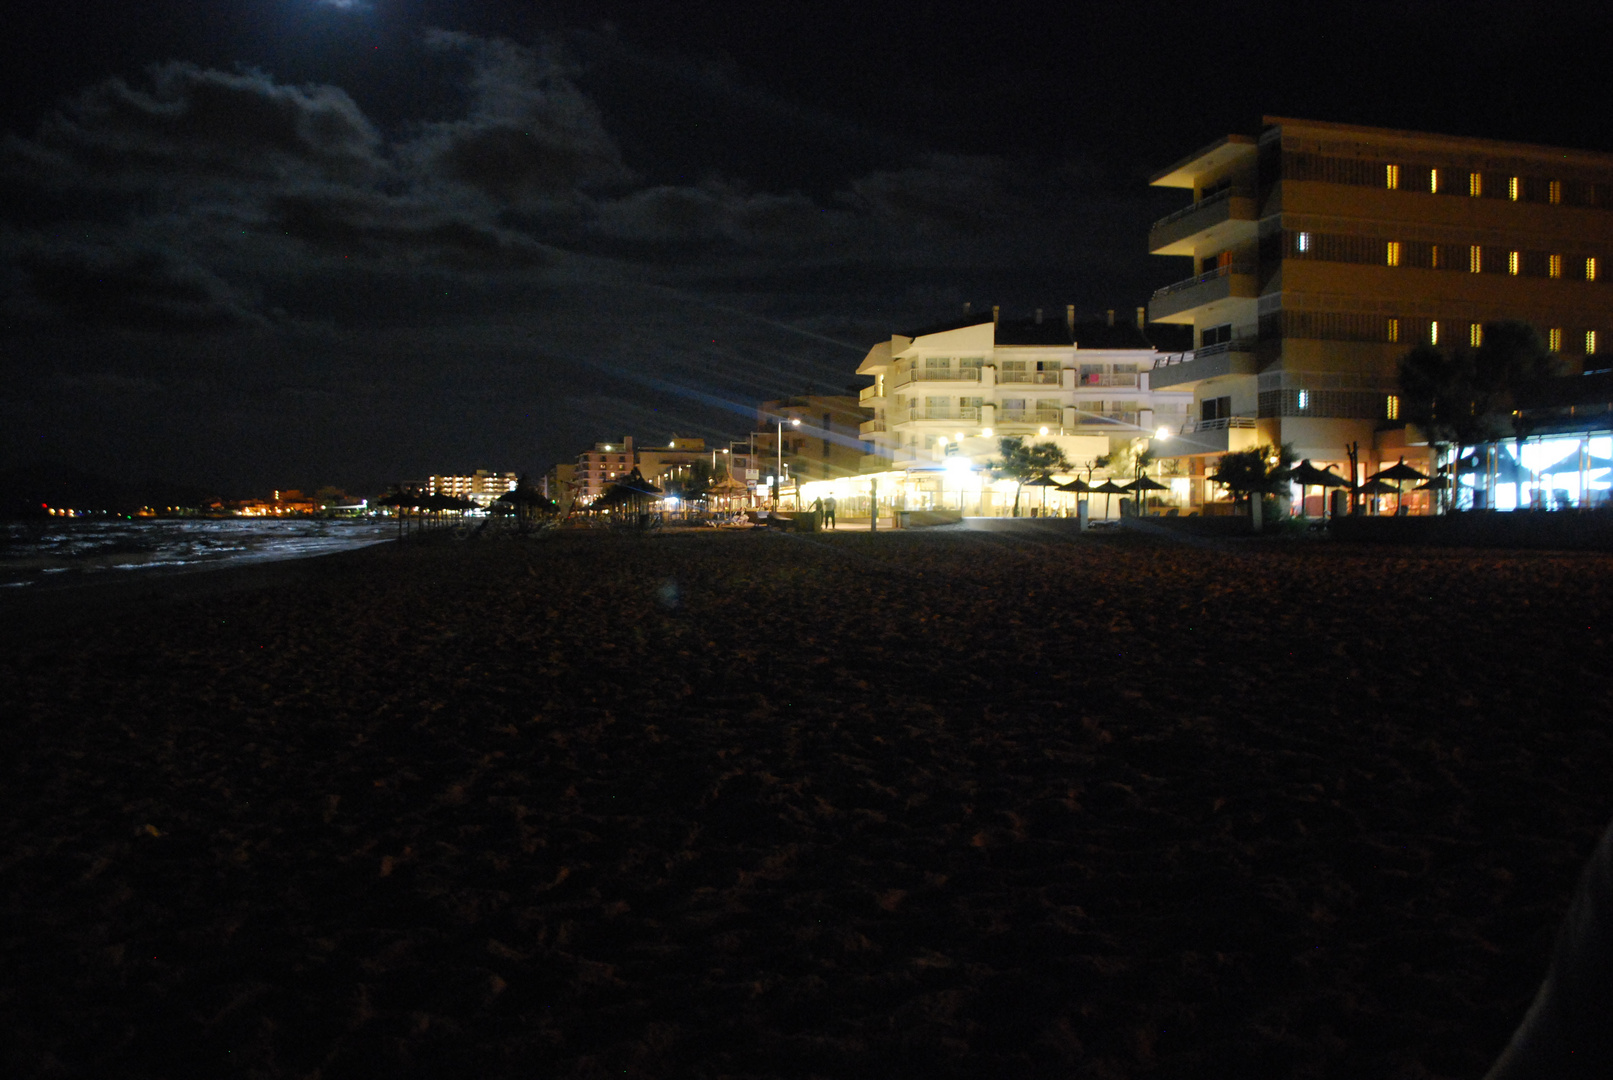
{"points": [[271, 243]]}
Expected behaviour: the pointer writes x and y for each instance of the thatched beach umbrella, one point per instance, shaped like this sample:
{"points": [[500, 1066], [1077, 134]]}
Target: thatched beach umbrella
{"points": [[1044, 482], [1399, 472], [1108, 488], [526, 503], [1141, 485], [1307, 475], [1375, 487], [398, 501]]}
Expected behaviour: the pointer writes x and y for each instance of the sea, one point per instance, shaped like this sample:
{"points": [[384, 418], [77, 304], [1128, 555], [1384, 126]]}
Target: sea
{"points": [[41, 553]]}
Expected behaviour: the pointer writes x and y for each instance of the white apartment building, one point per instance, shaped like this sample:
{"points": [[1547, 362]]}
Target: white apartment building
{"points": [[943, 397]]}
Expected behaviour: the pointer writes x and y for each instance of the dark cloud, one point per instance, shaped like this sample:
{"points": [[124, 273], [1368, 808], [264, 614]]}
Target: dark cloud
{"points": [[147, 289]]}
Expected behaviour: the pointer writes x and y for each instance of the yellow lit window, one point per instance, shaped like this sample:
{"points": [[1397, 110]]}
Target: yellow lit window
{"points": [[1392, 409], [1475, 184], [1475, 259], [1394, 330], [1391, 176], [1433, 180], [1590, 342], [1514, 261], [1433, 332], [1513, 189], [1554, 265], [1475, 335], [1554, 191], [1590, 269], [1554, 338], [1394, 253], [1433, 256]]}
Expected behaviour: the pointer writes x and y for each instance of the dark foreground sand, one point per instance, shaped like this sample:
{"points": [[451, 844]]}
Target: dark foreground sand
{"points": [[752, 805]]}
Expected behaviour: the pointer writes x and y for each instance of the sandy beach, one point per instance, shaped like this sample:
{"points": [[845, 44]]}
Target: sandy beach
{"points": [[953, 804]]}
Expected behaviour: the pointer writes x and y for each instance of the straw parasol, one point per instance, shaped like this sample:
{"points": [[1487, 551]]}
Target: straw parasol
{"points": [[1399, 472], [1108, 488], [1142, 484], [1307, 475], [1044, 482]]}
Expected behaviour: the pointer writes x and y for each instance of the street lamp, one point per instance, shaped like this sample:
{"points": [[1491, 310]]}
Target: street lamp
{"points": [[778, 483]]}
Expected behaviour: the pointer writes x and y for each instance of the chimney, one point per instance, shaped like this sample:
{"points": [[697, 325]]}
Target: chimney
{"points": [[1069, 318], [1111, 315], [1038, 316], [1142, 317], [996, 313]]}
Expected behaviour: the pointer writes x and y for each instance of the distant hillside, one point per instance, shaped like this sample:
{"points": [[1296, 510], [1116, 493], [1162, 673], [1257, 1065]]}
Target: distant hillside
{"points": [[24, 492]]}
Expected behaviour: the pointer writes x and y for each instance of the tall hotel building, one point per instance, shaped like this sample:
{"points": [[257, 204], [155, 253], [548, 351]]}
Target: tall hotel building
{"points": [[1321, 253]]}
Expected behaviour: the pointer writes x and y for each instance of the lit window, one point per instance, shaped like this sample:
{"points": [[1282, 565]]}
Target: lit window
{"points": [[1394, 253], [1590, 268], [1392, 409], [1302, 242], [1391, 176], [1304, 399], [1475, 334], [1513, 187], [1514, 260], [1433, 180], [1475, 259], [1394, 330], [1433, 332], [1554, 191], [1554, 339], [1590, 342], [1475, 184], [1554, 265]]}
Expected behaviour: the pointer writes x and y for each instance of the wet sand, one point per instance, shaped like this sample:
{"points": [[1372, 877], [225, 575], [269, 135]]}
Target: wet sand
{"points": [[955, 804]]}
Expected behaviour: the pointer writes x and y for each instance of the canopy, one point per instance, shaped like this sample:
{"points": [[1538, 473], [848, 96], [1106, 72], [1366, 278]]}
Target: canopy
{"points": [[1307, 475], [1109, 487], [1144, 483], [1077, 485], [1375, 486]]}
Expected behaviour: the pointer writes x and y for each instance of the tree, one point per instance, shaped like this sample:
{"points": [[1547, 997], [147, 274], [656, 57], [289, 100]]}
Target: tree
{"points": [[1468, 396], [1261, 470], [1021, 463]]}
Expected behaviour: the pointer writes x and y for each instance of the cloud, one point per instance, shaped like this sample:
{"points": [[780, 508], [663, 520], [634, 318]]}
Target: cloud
{"points": [[530, 137], [142, 289]]}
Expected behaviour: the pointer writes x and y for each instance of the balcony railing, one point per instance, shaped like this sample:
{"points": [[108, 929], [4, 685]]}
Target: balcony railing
{"points": [[1115, 379], [1208, 276], [1220, 423], [1209, 200], [961, 412], [869, 427], [1106, 419], [912, 375], [1029, 378], [868, 393]]}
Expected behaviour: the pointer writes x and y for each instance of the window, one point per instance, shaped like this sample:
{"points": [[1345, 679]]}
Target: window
{"points": [[1475, 259], [1304, 399], [1394, 330], [1590, 268], [1394, 253], [1391, 176], [1433, 332], [1514, 262], [1554, 191], [1475, 184], [1433, 256], [1554, 339], [1590, 342], [1392, 407], [1475, 334], [1513, 189], [1554, 265], [1433, 181], [1302, 242]]}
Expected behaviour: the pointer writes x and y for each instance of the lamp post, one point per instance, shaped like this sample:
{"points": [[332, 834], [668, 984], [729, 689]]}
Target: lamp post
{"points": [[778, 477]]}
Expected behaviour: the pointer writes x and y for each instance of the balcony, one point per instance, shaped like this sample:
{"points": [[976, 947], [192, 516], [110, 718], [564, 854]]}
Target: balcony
{"points": [[1180, 370], [1116, 379], [870, 427], [1215, 221], [1028, 378], [870, 393], [1233, 281], [968, 413], [918, 374], [1106, 419], [1220, 435]]}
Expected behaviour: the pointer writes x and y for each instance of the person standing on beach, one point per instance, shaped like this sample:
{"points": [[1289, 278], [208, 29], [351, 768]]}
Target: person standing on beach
{"points": [[829, 512]]}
